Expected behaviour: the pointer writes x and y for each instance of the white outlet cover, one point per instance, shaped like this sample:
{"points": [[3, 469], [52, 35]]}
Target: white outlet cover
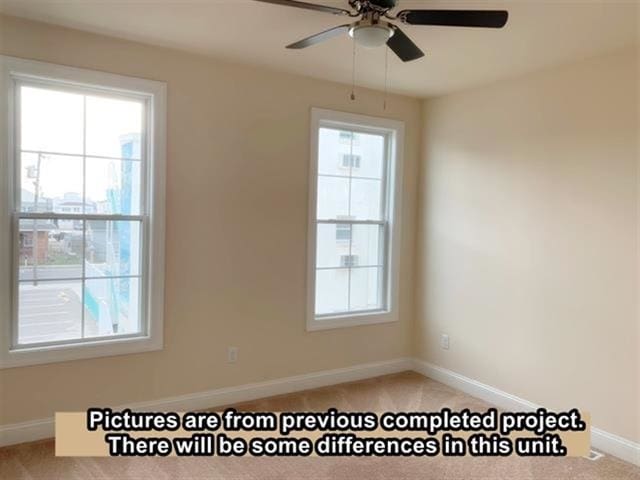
{"points": [[232, 354], [444, 341]]}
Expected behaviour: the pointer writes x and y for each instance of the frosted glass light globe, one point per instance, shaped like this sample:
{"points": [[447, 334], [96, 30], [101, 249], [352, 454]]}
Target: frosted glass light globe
{"points": [[371, 36]]}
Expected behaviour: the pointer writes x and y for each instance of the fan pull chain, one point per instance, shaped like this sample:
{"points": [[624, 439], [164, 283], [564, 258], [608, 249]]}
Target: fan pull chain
{"points": [[353, 72], [386, 77]]}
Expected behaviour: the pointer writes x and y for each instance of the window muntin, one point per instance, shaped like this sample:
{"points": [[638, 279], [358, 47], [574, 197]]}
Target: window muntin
{"points": [[352, 221], [79, 160]]}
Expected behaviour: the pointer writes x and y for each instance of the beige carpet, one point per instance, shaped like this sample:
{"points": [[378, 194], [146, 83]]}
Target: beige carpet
{"points": [[406, 391]]}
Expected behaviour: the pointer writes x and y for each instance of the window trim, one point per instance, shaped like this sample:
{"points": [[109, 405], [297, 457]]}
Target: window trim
{"points": [[395, 131], [154, 92]]}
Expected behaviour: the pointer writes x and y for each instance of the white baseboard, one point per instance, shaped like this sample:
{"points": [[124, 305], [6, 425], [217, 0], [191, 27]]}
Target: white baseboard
{"points": [[44, 428], [617, 446], [600, 440], [26, 431]]}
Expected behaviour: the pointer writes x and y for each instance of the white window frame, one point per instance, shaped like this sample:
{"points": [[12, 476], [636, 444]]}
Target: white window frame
{"points": [[153, 94], [394, 132]]}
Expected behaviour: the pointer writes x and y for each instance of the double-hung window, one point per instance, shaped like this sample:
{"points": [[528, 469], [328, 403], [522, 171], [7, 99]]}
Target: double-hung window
{"points": [[82, 213], [354, 212]]}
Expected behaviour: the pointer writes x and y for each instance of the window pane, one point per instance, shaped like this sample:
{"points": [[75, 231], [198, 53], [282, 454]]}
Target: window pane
{"points": [[50, 249], [330, 248], [343, 152], [49, 311], [51, 121], [370, 148], [365, 289], [113, 248], [333, 197], [112, 306], [332, 146], [50, 183], [114, 127], [366, 199], [113, 186], [367, 244], [332, 291]]}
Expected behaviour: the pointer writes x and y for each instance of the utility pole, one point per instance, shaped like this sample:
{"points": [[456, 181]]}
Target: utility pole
{"points": [[34, 242]]}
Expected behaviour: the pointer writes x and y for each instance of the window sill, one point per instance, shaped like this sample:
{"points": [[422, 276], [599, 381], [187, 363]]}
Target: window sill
{"points": [[352, 320], [23, 357]]}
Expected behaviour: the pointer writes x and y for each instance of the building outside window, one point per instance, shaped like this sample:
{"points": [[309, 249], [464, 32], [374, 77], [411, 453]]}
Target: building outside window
{"points": [[349, 261], [349, 160]]}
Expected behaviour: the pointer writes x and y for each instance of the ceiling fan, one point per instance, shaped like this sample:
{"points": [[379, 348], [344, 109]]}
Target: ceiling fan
{"points": [[372, 30]]}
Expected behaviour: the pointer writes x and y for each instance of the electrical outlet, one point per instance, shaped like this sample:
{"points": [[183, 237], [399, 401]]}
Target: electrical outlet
{"points": [[444, 341], [232, 354]]}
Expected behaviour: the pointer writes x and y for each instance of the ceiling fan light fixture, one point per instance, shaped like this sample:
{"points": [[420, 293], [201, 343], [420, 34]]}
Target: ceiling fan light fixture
{"points": [[372, 30], [372, 35]]}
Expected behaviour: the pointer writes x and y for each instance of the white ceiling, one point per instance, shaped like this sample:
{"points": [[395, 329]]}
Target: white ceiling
{"points": [[540, 33]]}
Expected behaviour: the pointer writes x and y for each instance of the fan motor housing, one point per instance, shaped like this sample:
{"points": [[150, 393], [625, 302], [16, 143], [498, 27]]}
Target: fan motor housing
{"points": [[386, 4]]}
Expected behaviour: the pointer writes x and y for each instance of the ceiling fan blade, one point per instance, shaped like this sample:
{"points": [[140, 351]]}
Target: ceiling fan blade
{"points": [[320, 37], [403, 46], [308, 6], [456, 18]]}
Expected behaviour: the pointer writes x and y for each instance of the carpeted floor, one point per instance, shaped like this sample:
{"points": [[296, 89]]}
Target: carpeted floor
{"points": [[403, 392]]}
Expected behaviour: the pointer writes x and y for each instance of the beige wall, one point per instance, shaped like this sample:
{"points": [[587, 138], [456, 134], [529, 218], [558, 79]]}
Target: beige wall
{"points": [[528, 238], [238, 155]]}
